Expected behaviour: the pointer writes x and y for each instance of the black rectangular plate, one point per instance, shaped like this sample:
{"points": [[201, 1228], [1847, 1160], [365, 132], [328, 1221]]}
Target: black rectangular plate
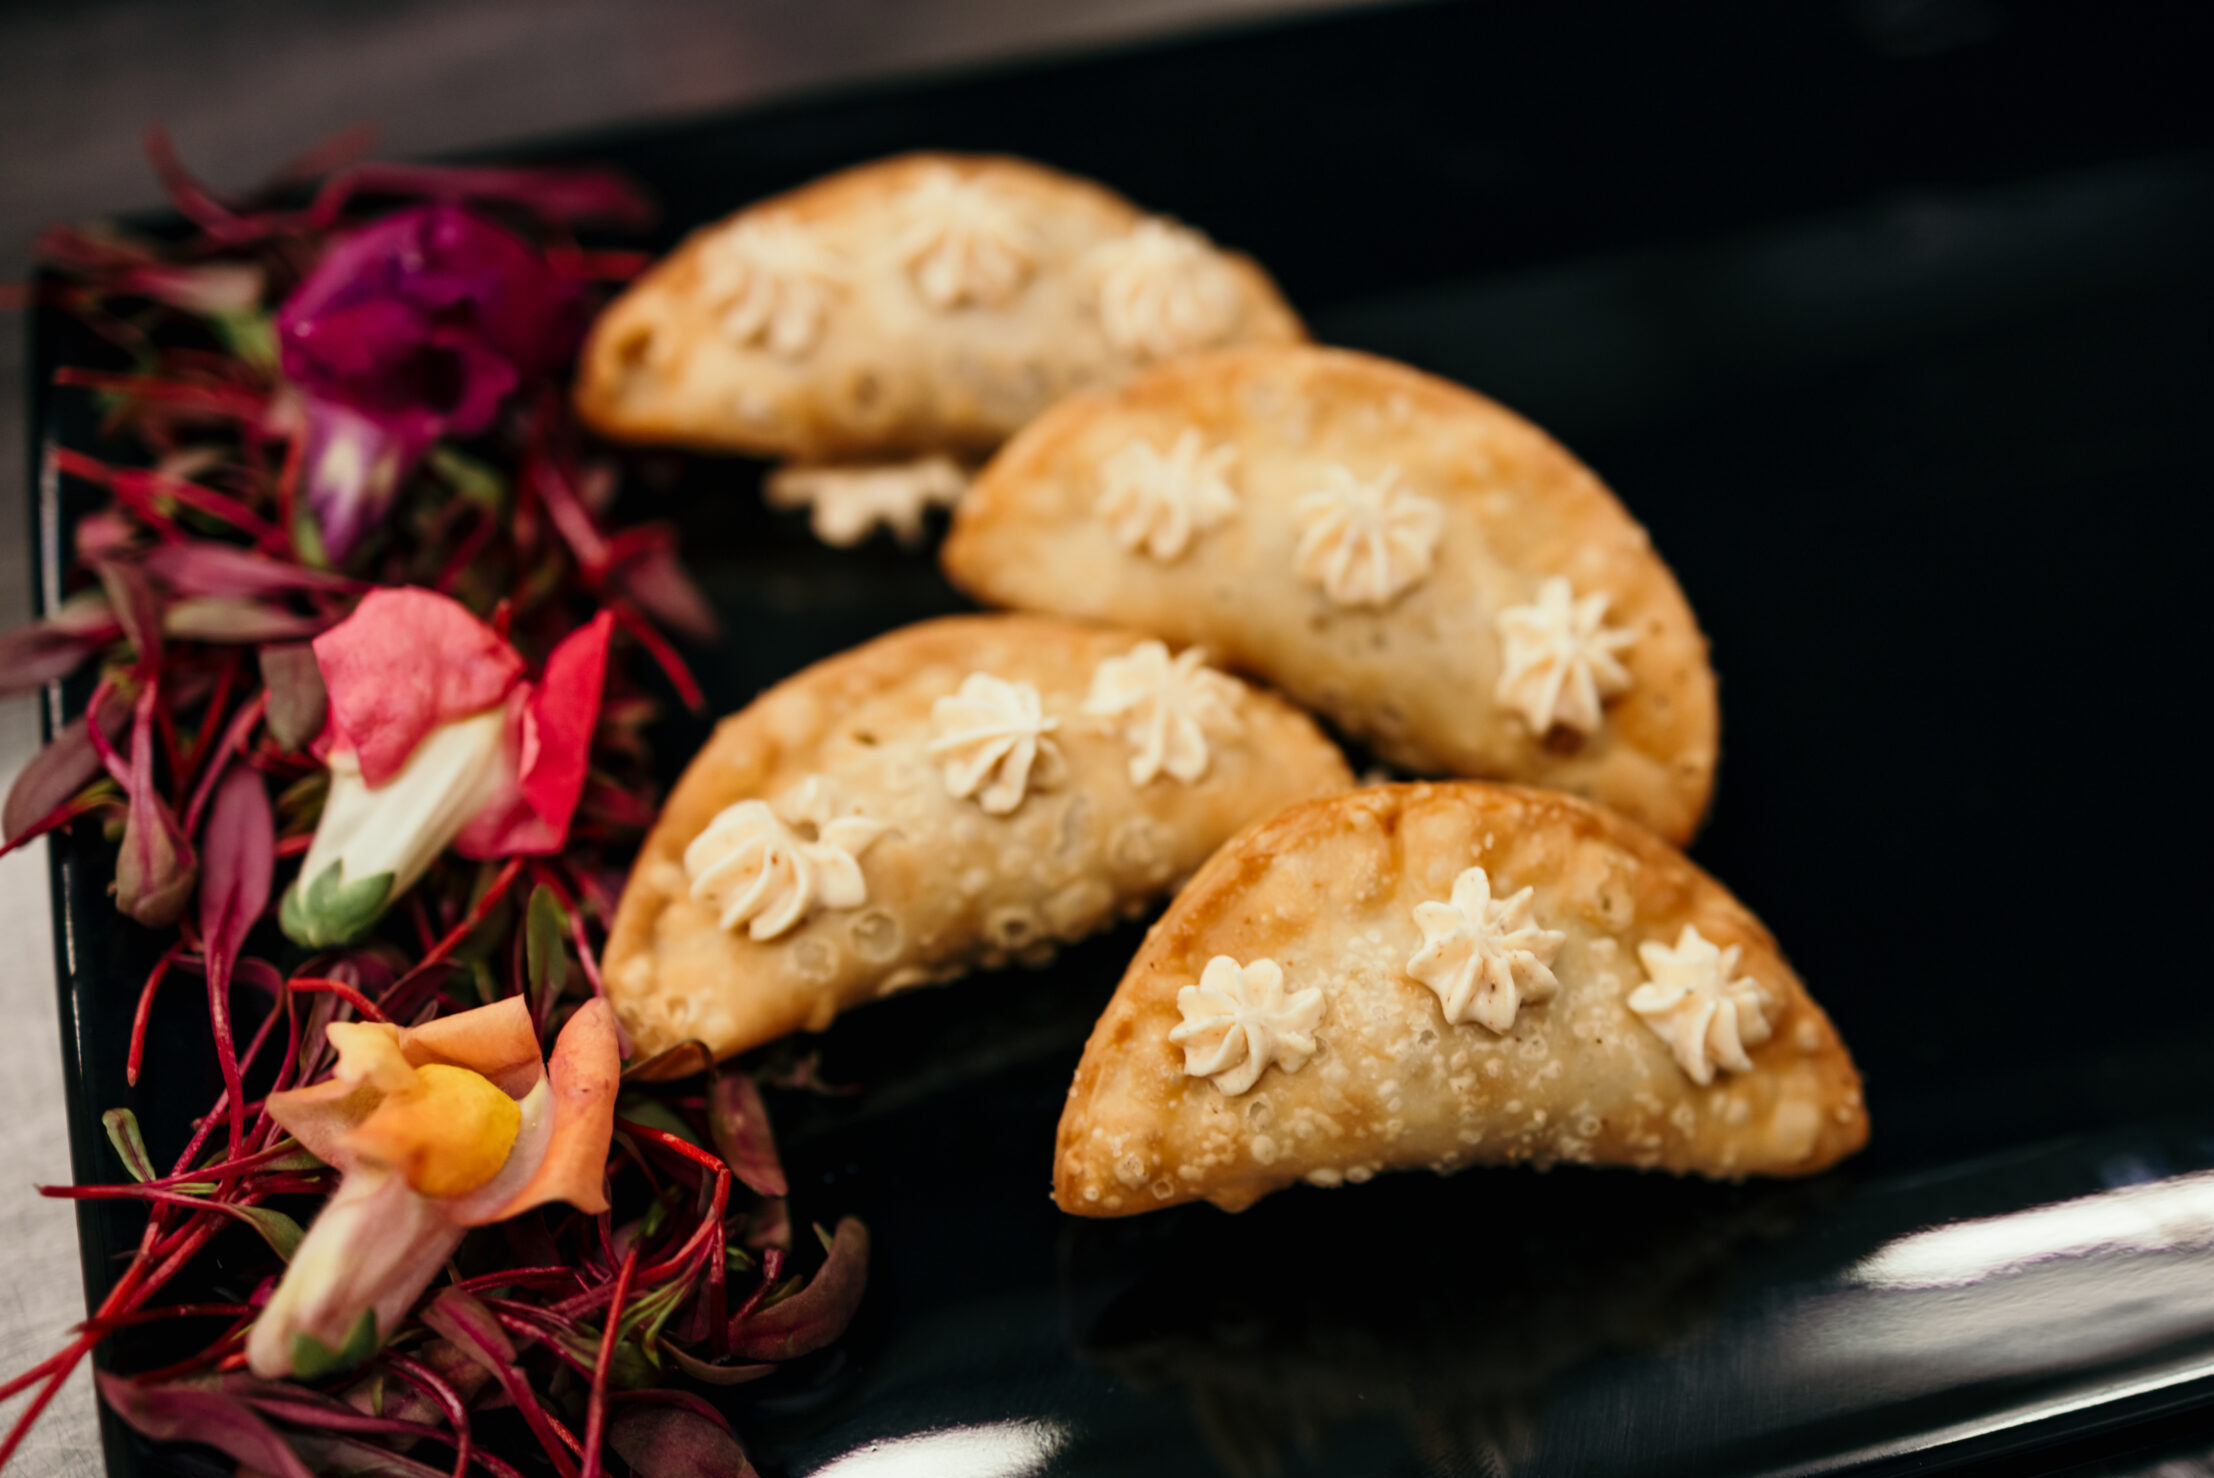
{"points": [[1892, 321]]}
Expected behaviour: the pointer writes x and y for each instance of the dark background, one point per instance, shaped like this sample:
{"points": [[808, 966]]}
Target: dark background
{"points": [[1893, 322]]}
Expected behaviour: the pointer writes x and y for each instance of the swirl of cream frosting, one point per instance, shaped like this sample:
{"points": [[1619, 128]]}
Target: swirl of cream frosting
{"points": [[759, 871], [1698, 1004], [1484, 956], [991, 733], [1560, 663], [1365, 543], [776, 283], [964, 242], [1156, 502], [1163, 291], [1238, 1020], [1168, 707]]}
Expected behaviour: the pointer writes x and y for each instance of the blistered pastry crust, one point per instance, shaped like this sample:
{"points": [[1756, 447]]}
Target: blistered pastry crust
{"points": [[1328, 889], [1416, 679], [950, 886], [969, 296]]}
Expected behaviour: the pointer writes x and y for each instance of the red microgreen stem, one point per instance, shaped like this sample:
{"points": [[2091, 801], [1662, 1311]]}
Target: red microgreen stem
{"points": [[137, 1056], [234, 738], [595, 1419], [365, 1008]]}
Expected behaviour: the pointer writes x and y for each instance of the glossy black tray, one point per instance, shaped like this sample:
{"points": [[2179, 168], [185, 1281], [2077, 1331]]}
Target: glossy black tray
{"points": [[1894, 322]]}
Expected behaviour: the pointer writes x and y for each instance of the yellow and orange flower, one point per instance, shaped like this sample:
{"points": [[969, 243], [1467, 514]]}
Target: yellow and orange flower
{"points": [[435, 1129]]}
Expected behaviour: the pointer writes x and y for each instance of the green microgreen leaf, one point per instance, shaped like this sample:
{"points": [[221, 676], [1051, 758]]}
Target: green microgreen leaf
{"points": [[642, 1108], [313, 1360], [280, 1231], [545, 958], [249, 333], [331, 911], [477, 482], [130, 1146]]}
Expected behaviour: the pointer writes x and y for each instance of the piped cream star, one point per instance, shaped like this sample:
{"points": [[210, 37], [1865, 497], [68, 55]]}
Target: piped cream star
{"points": [[1698, 1004], [1164, 291], [1238, 1020], [964, 242], [1158, 502], [1365, 543], [1168, 707], [1483, 956], [774, 281], [766, 874], [990, 735], [1560, 659]]}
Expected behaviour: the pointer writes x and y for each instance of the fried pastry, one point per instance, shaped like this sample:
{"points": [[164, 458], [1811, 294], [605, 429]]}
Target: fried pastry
{"points": [[924, 304], [1444, 975], [1429, 570], [969, 791]]}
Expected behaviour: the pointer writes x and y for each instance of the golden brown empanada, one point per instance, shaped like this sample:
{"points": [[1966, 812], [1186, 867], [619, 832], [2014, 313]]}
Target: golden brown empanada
{"points": [[1428, 569], [1444, 975], [963, 792], [928, 303]]}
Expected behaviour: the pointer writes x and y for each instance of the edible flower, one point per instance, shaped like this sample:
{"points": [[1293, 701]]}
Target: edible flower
{"points": [[435, 738], [433, 1129], [417, 327]]}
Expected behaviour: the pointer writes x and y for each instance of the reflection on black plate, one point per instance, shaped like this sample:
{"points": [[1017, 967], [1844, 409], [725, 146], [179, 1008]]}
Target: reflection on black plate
{"points": [[1893, 322]]}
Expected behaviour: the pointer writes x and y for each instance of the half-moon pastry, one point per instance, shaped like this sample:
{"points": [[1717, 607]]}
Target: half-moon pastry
{"points": [[1444, 975], [928, 303], [1429, 570], [968, 791]]}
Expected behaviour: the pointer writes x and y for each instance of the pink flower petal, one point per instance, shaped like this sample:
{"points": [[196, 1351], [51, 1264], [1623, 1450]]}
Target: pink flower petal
{"points": [[556, 745], [406, 661]]}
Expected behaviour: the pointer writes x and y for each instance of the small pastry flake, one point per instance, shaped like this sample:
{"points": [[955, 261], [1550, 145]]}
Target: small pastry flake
{"points": [[847, 504], [1374, 601], [1344, 891], [928, 303], [1698, 1004], [964, 242], [1156, 502], [950, 886], [759, 873], [773, 283], [1483, 956], [990, 736], [1164, 290], [1238, 1020], [1364, 542], [1167, 707], [1560, 659]]}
